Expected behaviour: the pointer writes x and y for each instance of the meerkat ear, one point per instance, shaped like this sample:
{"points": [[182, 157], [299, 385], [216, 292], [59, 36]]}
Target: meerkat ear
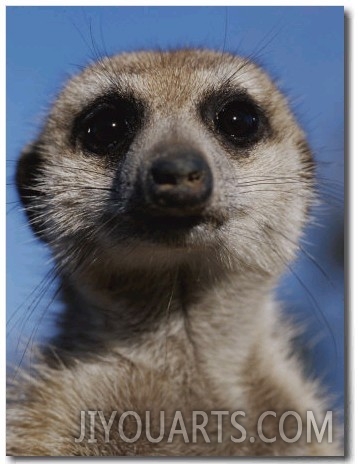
{"points": [[28, 172]]}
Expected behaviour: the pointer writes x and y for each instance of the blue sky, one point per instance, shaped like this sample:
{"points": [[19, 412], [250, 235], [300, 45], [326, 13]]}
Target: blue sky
{"points": [[301, 47]]}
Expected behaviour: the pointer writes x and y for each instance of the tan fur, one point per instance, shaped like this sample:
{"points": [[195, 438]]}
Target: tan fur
{"points": [[190, 326]]}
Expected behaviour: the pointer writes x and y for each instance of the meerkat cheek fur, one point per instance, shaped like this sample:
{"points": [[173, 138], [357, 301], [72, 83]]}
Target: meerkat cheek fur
{"points": [[172, 189]]}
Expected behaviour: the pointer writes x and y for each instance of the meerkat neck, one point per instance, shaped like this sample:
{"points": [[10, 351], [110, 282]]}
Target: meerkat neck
{"points": [[147, 316], [140, 301]]}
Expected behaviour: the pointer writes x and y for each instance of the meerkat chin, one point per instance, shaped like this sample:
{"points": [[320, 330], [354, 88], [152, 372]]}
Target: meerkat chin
{"points": [[172, 189]]}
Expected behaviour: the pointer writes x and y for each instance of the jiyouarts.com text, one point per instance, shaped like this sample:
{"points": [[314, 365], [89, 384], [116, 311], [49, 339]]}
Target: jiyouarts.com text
{"points": [[210, 426]]}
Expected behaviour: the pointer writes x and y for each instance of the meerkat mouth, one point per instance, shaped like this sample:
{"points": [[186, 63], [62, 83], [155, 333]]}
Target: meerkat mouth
{"points": [[191, 231], [169, 223]]}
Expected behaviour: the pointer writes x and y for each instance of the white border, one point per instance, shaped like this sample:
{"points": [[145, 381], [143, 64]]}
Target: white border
{"points": [[352, 38], [178, 3]]}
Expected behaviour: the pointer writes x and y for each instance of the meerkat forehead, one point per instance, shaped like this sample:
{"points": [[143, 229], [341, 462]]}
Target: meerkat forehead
{"points": [[180, 77]]}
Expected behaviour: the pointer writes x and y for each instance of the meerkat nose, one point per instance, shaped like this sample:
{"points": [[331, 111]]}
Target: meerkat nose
{"points": [[180, 182]]}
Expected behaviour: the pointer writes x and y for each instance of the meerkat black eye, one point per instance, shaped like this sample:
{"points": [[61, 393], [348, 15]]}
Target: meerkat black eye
{"points": [[108, 126], [238, 120]]}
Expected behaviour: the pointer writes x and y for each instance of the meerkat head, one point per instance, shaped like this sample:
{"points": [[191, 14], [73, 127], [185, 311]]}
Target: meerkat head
{"points": [[152, 158]]}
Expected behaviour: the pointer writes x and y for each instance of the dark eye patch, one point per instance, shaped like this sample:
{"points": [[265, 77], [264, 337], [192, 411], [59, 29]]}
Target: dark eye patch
{"points": [[235, 117], [238, 120], [108, 125]]}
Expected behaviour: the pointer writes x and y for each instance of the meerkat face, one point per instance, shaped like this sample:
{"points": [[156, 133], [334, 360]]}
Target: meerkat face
{"points": [[153, 157]]}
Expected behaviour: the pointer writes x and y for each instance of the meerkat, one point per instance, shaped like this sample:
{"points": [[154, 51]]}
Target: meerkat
{"points": [[172, 189]]}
